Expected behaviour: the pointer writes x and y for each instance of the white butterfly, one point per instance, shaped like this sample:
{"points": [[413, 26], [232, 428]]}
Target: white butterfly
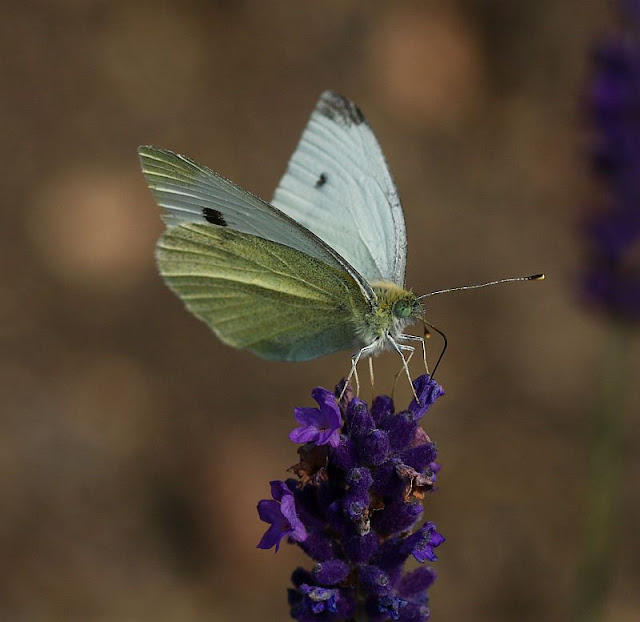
{"points": [[320, 269]]}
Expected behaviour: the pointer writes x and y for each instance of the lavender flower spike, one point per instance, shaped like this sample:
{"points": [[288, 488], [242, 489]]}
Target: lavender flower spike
{"points": [[361, 479]]}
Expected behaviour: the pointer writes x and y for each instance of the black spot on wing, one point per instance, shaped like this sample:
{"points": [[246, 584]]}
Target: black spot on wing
{"points": [[322, 180], [214, 217], [340, 109]]}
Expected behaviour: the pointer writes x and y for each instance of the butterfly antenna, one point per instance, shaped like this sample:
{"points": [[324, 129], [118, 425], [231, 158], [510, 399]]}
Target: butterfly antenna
{"points": [[444, 343], [533, 277]]}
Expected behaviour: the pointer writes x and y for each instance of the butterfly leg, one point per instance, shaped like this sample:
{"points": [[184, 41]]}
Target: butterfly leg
{"points": [[399, 347], [422, 343], [371, 378], [395, 378], [354, 371], [355, 375]]}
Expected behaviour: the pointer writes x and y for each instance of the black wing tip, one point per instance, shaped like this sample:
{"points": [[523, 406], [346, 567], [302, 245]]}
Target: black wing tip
{"points": [[340, 109]]}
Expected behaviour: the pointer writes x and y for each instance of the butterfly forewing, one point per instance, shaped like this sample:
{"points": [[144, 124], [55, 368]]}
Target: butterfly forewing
{"points": [[260, 295], [190, 192], [338, 185]]}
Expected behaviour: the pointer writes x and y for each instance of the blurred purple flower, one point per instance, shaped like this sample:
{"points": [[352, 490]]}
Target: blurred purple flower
{"points": [[319, 426], [362, 475], [632, 7], [611, 277]]}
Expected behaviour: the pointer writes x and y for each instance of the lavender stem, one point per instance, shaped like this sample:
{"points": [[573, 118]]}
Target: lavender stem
{"points": [[601, 512]]}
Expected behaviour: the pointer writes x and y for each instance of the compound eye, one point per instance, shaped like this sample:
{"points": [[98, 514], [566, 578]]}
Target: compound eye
{"points": [[402, 309]]}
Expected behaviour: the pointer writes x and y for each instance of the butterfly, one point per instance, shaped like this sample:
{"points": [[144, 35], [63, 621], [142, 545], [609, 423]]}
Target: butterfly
{"points": [[319, 269]]}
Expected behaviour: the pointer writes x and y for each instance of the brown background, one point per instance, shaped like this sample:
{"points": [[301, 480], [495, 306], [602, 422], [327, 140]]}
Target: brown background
{"points": [[134, 446]]}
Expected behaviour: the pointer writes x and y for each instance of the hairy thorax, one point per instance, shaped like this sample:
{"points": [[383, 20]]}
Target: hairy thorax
{"points": [[394, 309]]}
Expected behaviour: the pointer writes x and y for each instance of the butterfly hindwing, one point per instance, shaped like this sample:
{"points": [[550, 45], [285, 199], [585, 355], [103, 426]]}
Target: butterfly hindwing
{"points": [[260, 295]]}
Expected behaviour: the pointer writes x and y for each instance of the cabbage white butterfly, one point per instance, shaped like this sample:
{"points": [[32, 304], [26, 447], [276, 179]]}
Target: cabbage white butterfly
{"points": [[319, 269]]}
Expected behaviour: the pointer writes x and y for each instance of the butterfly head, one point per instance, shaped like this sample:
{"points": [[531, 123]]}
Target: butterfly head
{"points": [[395, 308], [407, 307]]}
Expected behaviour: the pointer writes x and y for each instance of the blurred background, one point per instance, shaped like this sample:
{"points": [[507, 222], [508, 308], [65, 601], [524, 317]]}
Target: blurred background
{"points": [[134, 446]]}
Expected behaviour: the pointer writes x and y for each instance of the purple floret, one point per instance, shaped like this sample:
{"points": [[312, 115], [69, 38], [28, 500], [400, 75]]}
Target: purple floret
{"points": [[281, 513], [320, 426], [424, 541], [320, 600], [428, 391]]}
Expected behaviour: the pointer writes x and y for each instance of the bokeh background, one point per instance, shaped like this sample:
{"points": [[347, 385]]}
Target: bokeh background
{"points": [[134, 446]]}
